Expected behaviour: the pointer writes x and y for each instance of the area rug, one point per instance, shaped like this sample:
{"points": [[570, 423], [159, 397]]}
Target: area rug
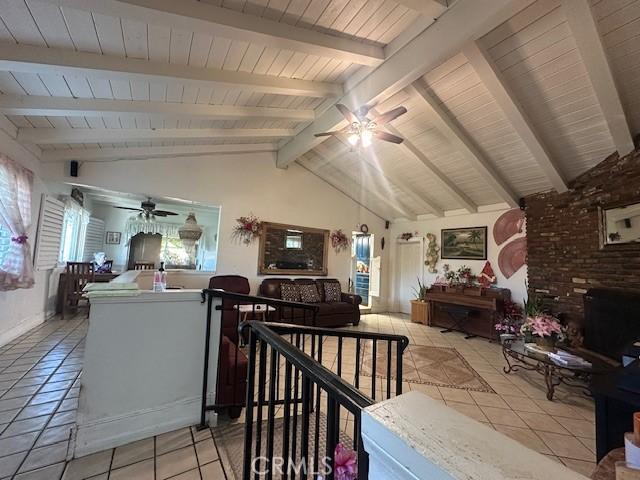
{"points": [[230, 441], [439, 366]]}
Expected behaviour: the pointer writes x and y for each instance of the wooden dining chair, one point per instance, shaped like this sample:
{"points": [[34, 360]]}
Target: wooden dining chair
{"points": [[77, 275], [144, 266]]}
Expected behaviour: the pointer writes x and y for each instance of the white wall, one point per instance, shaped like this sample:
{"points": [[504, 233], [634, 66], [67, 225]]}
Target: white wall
{"points": [[241, 184], [23, 309], [487, 218]]}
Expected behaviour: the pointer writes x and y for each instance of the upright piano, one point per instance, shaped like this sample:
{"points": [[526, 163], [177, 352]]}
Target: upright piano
{"points": [[474, 312]]}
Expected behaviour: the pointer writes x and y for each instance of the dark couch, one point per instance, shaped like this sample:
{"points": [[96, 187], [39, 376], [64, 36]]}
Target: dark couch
{"points": [[334, 314], [232, 369]]}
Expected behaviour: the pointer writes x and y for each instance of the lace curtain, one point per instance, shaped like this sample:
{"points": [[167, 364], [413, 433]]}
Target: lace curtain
{"points": [[74, 231], [134, 227], [16, 183]]}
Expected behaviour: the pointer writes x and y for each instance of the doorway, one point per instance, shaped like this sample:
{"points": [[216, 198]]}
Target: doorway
{"points": [[409, 270], [361, 266]]}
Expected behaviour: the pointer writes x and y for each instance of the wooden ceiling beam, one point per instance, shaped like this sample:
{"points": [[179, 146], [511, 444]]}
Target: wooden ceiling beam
{"points": [[202, 17], [347, 190], [328, 159], [492, 79], [414, 152], [467, 21], [30, 59], [110, 154], [118, 135], [96, 107], [585, 32], [430, 8], [395, 180], [461, 142]]}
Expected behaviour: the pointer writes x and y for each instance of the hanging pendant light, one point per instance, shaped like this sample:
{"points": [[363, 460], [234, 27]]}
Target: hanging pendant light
{"points": [[190, 232]]}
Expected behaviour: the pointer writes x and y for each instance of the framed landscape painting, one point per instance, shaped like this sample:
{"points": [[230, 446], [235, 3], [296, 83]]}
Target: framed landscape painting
{"points": [[464, 243]]}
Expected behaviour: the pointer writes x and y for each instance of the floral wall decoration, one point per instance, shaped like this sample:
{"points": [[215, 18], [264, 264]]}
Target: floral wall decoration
{"points": [[433, 251], [339, 241], [247, 229]]}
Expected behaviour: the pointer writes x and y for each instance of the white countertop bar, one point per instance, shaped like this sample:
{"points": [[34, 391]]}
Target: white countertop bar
{"points": [[143, 367]]}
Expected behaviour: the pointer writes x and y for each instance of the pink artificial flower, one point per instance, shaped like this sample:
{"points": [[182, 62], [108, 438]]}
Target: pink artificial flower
{"points": [[545, 325], [345, 463]]}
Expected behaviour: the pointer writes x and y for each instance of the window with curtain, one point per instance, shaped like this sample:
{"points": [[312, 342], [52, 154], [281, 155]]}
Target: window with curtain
{"points": [[74, 229], [5, 243], [16, 267]]}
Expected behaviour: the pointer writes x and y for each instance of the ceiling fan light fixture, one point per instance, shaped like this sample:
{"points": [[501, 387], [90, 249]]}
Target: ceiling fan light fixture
{"points": [[146, 217], [362, 129], [367, 137]]}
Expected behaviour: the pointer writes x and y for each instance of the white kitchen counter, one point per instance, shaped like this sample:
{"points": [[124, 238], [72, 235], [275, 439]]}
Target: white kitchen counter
{"points": [[143, 367], [189, 279]]}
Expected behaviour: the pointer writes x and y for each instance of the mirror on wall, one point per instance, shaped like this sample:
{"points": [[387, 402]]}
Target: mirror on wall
{"points": [[292, 250], [620, 225]]}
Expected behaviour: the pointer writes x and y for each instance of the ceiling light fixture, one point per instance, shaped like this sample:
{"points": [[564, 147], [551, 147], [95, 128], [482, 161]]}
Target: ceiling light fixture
{"points": [[190, 233], [361, 132]]}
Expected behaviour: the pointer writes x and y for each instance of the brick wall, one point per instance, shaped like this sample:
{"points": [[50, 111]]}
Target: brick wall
{"points": [[564, 255]]}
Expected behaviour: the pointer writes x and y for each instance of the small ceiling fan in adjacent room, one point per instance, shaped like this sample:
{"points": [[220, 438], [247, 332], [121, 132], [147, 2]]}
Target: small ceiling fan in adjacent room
{"points": [[362, 129], [147, 210]]}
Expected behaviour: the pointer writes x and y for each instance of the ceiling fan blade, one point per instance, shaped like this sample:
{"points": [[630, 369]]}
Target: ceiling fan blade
{"points": [[390, 115], [387, 137], [327, 134], [347, 114], [129, 208], [162, 213]]}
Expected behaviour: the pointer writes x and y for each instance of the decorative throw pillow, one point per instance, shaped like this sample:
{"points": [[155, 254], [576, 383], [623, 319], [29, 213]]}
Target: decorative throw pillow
{"points": [[309, 293], [289, 292], [332, 292]]}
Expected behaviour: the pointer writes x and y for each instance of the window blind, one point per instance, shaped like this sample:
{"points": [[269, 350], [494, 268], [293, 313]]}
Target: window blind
{"points": [[94, 238], [49, 233]]}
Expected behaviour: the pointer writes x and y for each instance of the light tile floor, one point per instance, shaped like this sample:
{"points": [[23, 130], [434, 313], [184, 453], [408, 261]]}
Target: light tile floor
{"points": [[39, 375], [563, 429]]}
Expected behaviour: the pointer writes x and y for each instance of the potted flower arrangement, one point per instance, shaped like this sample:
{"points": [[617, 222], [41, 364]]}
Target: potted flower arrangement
{"points": [[421, 291], [247, 229], [419, 307], [460, 279], [510, 323], [465, 277], [545, 329], [532, 307]]}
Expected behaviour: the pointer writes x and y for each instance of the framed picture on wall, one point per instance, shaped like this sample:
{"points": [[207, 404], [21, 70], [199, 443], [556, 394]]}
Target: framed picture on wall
{"points": [[113, 238], [464, 243]]}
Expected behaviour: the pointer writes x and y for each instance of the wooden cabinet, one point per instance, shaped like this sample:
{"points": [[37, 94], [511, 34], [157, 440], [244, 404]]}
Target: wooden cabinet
{"points": [[420, 312], [467, 312]]}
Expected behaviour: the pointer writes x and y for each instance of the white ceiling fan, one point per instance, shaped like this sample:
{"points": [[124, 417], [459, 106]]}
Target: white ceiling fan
{"points": [[362, 129]]}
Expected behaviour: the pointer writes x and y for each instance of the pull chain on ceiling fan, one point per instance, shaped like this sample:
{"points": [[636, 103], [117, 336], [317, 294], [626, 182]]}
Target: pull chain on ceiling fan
{"points": [[362, 129]]}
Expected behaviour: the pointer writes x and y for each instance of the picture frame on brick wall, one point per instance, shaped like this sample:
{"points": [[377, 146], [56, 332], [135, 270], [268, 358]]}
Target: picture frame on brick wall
{"points": [[619, 226]]}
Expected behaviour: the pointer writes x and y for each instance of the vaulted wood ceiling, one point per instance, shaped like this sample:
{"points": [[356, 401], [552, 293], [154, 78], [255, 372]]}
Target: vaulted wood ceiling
{"points": [[505, 97]]}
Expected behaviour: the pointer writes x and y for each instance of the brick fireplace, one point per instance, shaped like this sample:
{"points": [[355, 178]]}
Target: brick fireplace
{"points": [[564, 258]]}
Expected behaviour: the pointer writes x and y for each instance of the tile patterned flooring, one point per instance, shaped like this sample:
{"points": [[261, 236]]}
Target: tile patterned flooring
{"points": [[39, 387]]}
